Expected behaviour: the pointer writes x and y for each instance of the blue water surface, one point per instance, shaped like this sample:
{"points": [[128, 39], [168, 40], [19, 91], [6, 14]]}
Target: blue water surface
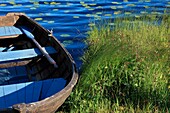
{"points": [[71, 19]]}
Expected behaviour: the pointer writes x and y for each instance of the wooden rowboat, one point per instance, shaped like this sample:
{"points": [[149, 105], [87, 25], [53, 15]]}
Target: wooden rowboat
{"points": [[37, 73]]}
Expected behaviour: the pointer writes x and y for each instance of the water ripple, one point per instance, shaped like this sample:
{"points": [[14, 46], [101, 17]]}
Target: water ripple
{"points": [[71, 19]]}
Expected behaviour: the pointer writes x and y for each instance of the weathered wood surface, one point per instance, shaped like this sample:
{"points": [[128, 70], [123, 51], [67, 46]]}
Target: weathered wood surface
{"points": [[8, 20], [12, 64]]}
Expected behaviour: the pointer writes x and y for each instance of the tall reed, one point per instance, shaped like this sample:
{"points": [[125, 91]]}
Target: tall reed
{"points": [[126, 69]]}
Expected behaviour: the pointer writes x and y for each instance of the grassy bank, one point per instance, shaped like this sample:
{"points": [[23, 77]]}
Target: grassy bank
{"points": [[126, 69]]}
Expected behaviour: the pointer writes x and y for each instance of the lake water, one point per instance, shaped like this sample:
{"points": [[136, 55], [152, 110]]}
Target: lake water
{"points": [[71, 19]]}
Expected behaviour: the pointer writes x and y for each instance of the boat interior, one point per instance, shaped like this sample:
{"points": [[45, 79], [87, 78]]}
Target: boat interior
{"points": [[25, 74]]}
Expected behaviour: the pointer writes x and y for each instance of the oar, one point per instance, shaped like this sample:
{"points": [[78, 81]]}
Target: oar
{"points": [[44, 52]]}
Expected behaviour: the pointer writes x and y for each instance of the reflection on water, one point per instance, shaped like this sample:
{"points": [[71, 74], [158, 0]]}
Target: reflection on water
{"points": [[70, 19]]}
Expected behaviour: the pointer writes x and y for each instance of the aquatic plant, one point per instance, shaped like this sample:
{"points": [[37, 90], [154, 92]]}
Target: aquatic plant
{"points": [[126, 69]]}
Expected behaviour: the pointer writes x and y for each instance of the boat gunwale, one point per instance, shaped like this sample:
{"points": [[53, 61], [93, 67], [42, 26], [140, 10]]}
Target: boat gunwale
{"points": [[64, 93], [33, 107]]}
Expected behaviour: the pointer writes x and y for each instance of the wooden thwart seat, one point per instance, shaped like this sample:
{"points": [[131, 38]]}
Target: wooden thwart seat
{"points": [[9, 32], [23, 54]]}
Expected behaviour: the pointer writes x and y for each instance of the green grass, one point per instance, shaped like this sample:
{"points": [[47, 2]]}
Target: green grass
{"points": [[125, 69]]}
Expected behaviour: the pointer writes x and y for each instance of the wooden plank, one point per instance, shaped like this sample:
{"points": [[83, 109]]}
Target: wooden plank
{"points": [[10, 95], [13, 80], [45, 86], [29, 92], [14, 63], [38, 76], [8, 20], [23, 54], [21, 92], [4, 76], [4, 37], [10, 75], [57, 85], [2, 99], [12, 71], [18, 79], [21, 70], [9, 31], [37, 91], [28, 73]]}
